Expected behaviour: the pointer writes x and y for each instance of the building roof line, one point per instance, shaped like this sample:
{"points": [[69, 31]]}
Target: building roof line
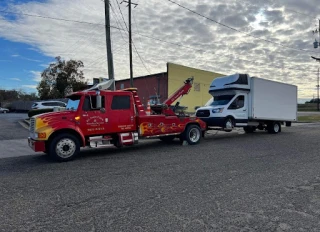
{"points": [[151, 75]]}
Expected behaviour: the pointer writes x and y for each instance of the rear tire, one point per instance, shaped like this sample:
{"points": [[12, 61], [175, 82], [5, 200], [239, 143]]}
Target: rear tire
{"points": [[274, 127], [192, 134], [64, 147]]}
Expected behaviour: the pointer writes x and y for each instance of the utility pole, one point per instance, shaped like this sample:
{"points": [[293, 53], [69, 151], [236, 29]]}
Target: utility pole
{"points": [[318, 100], [108, 42], [130, 39], [130, 46], [316, 45]]}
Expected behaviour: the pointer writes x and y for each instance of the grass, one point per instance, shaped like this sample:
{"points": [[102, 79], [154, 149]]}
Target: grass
{"points": [[309, 118], [307, 107]]}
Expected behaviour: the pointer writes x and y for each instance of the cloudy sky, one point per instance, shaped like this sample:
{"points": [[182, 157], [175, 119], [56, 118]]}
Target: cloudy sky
{"points": [[265, 38]]}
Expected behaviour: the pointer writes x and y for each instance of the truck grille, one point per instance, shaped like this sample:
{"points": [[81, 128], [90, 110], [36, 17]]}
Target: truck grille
{"points": [[203, 113], [32, 124]]}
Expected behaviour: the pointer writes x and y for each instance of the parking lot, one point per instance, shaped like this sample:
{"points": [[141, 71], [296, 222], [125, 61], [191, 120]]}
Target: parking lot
{"points": [[229, 182]]}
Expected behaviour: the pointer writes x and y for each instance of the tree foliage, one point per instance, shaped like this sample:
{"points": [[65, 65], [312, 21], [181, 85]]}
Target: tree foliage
{"points": [[60, 78], [14, 95], [314, 100]]}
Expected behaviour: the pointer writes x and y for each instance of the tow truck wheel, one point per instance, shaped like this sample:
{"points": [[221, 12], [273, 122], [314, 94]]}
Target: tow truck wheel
{"points": [[64, 147], [192, 134]]}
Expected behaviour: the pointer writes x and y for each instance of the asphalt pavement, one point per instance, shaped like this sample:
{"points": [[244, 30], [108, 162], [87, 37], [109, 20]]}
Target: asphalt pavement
{"points": [[229, 182]]}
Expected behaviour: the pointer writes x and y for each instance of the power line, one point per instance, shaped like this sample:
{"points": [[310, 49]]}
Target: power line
{"points": [[120, 29], [237, 30], [54, 18], [118, 22], [122, 15]]}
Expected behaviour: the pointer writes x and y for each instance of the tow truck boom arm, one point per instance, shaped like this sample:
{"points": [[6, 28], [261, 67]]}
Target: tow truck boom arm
{"points": [[180, 92]]}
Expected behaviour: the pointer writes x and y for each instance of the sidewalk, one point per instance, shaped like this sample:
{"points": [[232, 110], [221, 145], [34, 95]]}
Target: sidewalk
{"points": [[15, 148]]}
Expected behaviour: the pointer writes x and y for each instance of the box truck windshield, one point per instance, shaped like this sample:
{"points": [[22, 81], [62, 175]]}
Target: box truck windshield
{"points": [[220, 100]]}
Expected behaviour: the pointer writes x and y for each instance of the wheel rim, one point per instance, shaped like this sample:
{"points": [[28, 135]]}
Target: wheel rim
{"points": [[276, 127], [229, 124], [194, 135], [65, 148]]}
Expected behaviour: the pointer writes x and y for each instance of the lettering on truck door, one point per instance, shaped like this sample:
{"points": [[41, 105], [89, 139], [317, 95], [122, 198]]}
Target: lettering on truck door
{"points": [[123, 114], [92, 119]]}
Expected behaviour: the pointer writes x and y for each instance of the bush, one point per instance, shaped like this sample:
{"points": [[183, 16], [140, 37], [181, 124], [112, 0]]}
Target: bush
{"points": [[38, 111]]}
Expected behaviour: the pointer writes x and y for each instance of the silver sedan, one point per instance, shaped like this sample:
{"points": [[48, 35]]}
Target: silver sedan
{"points": [[4, 110]]}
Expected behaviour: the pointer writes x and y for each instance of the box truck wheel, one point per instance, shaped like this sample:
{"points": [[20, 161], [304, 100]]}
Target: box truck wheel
{"points": [[274, 127], [64, 147], [192, 134], [228, 124]]}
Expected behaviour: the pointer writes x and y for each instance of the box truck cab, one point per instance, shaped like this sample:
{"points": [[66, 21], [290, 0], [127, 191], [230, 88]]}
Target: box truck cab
{"points": [[252, 103]]}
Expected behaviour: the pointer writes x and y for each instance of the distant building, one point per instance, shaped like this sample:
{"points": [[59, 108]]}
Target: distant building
{"points": [[158, 87], [152, 87]]}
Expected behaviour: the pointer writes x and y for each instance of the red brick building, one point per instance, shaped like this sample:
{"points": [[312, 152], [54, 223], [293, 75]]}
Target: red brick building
{"points": [[151, 87]]}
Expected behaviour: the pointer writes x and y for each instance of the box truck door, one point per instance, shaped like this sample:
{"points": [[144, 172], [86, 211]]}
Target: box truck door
{"points": [[239, 108]]}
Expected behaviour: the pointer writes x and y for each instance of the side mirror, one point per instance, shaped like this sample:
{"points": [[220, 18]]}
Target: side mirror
{"points": [[99, 101], [197, 107]]}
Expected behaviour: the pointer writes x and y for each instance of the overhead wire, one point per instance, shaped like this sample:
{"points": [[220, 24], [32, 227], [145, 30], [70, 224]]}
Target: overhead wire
{"points": [[143, 63], [122, 15], [147, 36]]}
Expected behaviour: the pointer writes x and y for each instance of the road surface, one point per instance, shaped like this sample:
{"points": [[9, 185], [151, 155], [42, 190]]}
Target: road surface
{"points": [[229, 182]]}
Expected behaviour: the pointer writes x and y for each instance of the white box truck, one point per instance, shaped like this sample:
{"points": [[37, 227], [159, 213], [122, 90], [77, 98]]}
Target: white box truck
{"points": [[252, 103]]}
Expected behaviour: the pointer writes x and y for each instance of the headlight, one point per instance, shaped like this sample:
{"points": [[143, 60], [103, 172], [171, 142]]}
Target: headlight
{"points": [[38, 135], [218, 110]]}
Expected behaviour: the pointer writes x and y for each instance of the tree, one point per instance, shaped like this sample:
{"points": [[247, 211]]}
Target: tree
{"points": [[59, 77]]}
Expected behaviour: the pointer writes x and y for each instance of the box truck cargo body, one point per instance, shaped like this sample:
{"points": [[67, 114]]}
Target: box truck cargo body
{"points": [[272, 100], [252, 103]]}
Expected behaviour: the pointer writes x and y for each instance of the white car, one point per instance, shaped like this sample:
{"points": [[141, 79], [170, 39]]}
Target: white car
{"points": [[47, 105], [4, 110]]}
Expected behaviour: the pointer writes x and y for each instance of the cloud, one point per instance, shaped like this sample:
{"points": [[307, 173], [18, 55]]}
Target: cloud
{"points": [[30, 86], [36, 76], [201, 42], [15, 79], [24, 58]]}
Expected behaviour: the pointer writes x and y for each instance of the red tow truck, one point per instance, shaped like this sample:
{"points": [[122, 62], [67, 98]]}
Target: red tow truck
{"points": [[98, 117]]}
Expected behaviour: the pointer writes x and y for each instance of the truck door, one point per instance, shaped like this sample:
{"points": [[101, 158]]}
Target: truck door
{"points": [[122, 113], [239, 108], [93, 120]]}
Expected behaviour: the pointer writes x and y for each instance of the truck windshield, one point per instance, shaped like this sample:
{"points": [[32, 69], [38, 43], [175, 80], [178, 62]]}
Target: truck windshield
{"points": [[73, 102], [220, 100]]}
